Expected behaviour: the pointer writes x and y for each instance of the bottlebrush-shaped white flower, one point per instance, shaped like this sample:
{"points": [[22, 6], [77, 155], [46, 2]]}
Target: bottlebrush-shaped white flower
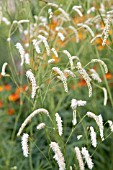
{"points": [[106, 30], [77, 10], [98, 119], [74, 104], [85, 76], [61, 36], [21, 51], [87, 27], [110, 125], [36, 46], [28, 119], [3, 73], [101, 62], [105, 95], [97, 36], [41, 37], [76, 33], [69, 72], [58, 155], [65, 14], [87, 157], [93, 137], [74, 121], [55, 52], [63, 78], [24, 143], [58, 28], [41, 126], [95, 76], [31, 77], [27, 59], [59, 124], [51, 61], [70, 58], [79, 158]]}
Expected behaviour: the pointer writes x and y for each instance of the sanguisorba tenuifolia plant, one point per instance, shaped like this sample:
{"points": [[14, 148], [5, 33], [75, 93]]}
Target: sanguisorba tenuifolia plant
{"points": [[49, 68]]}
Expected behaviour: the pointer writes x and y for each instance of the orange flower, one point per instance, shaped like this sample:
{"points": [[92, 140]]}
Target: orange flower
{"points": [[81, 83], [108, 76], [20, 89], [10, 111], [14, 97], [1, 88], [1, 104], [7, 87]]}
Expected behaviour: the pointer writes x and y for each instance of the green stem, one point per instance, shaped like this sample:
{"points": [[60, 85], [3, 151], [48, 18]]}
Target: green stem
{"points": [[73, 129]]}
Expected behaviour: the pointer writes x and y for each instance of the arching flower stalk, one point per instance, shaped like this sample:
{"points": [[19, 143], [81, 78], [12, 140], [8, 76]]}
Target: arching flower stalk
{"points": [[28, 119], [3, 73], [101, 62], [62, 77], [95, 75], [70, 59], [98, 119]]}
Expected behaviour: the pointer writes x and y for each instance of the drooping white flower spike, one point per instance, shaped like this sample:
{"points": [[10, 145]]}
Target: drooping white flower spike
{"points": [[28, 119], [79, 158], [99, 120], [59, 124], [32, 79], [58, 155], [74, 104], [41, 126], [93, 137], [87, 157], [3, 73], [24, 142], [21, 51]]}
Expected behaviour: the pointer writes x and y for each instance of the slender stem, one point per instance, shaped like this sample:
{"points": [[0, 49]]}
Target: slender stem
{"points": [[73, 129]]}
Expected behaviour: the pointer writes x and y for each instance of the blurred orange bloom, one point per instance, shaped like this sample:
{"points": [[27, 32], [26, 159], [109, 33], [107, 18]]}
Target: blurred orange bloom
{"points": [[7, 87], [1, 104], [82, 83], [1, 88], [14, 97], [10, 111], [55, 58], [109, 76]]}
